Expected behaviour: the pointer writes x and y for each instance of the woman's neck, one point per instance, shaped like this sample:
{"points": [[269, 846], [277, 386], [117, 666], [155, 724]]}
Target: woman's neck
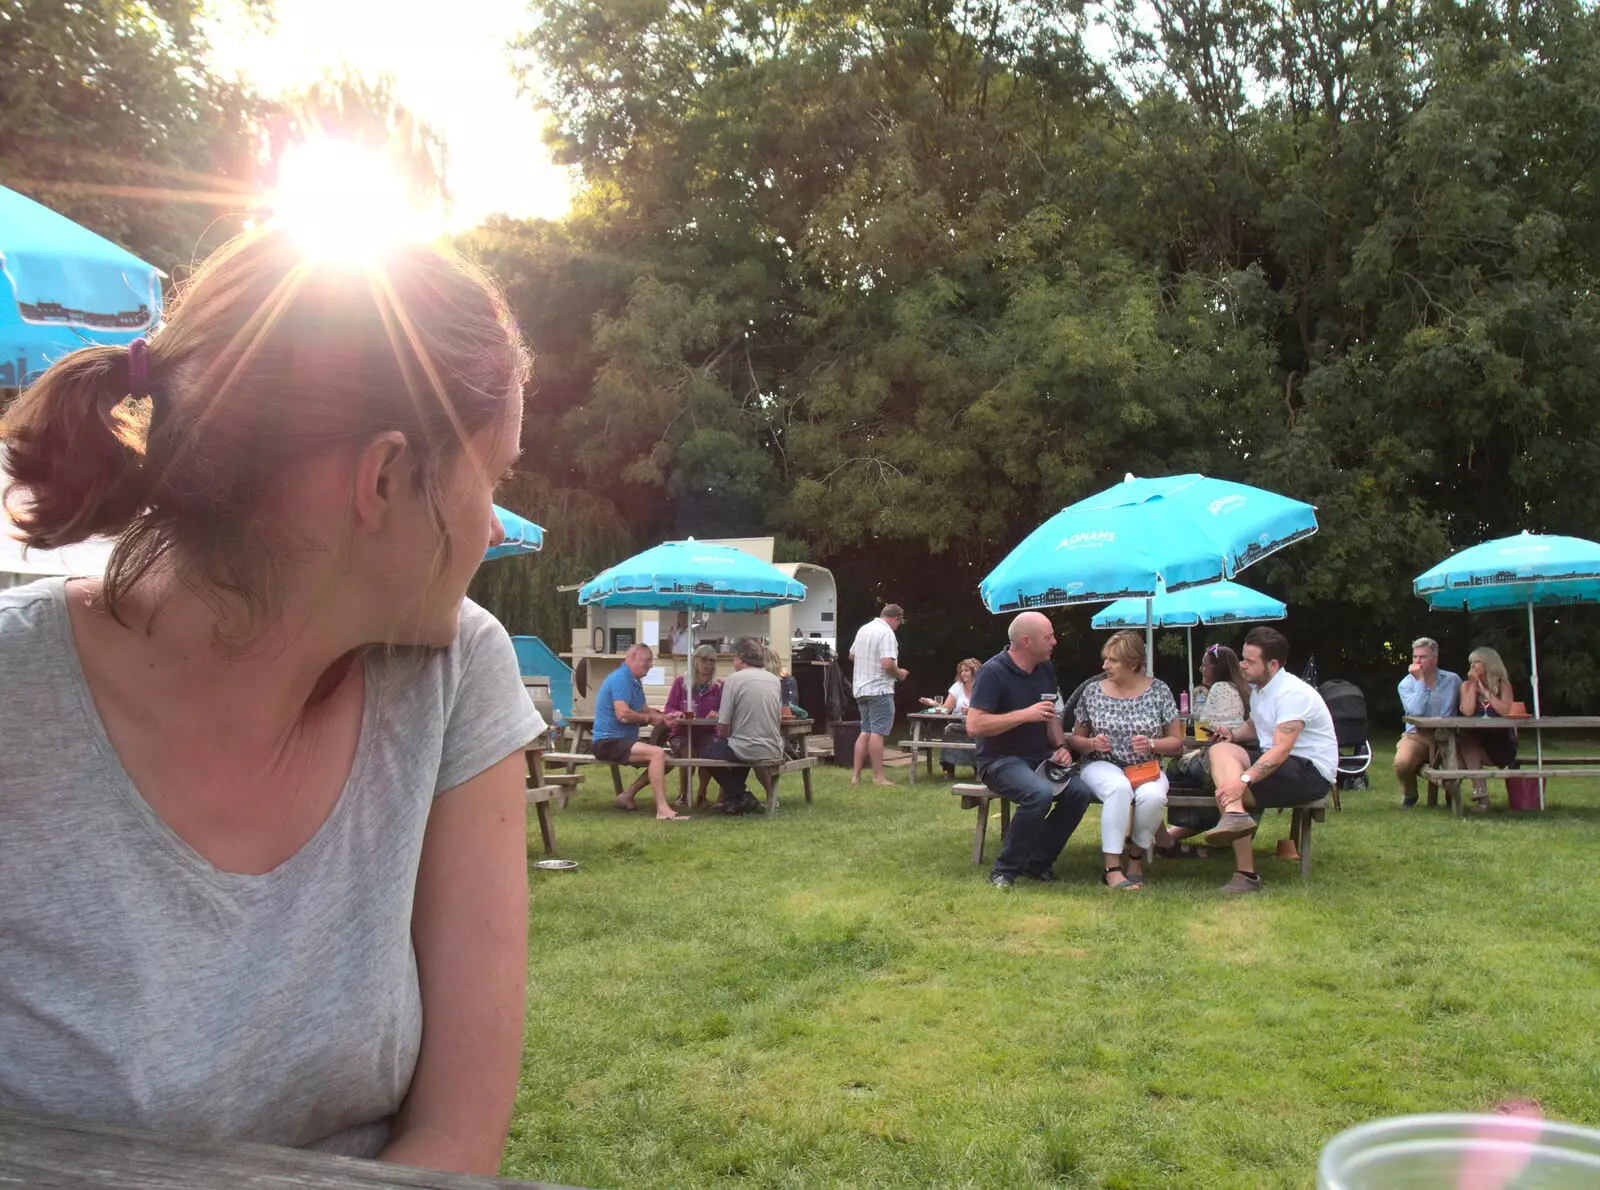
{"points": [[266, 681]]}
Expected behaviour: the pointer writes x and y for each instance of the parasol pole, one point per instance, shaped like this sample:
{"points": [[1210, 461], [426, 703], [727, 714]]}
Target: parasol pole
{"points": [[1188, 661], [1150, 635], [1538, 733], [688, 684]]}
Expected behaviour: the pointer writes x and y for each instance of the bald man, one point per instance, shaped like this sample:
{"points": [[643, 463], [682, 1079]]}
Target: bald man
{"points": [[1012, 716]]}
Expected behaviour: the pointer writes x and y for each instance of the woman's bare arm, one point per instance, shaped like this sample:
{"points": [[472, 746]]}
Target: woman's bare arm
{"points": [[469, 925]]}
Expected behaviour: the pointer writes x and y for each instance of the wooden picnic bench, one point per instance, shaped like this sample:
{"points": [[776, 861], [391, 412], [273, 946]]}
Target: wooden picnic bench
{"points": [[544, 788], [1446, 768], [579, 728], [572, 761], [69, 1155], [766, 774], [979, 796], [916, 744]]}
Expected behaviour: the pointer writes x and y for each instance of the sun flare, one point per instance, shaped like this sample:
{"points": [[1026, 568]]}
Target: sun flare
{"points": [[342, 201]]}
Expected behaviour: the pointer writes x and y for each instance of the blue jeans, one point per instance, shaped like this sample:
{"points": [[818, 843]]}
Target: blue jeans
{"points": [[1042, 820], [732, 781]]}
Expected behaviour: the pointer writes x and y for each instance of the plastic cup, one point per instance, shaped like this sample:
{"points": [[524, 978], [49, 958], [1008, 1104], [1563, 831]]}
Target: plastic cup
{"points": [[1461, 1152]]}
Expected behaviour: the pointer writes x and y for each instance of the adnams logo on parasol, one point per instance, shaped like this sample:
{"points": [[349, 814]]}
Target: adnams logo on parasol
{"points": [[1087, 541]]}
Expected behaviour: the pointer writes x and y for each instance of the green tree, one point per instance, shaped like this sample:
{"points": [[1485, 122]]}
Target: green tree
{"points": [[899, 279], [110, 113]]}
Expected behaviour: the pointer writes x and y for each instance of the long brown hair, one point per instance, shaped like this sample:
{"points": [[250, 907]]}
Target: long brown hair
{"points": [[265, 359], [1225, 668]]}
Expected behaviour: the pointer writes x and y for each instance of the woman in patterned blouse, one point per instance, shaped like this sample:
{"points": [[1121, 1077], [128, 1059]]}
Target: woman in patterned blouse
{"points": [[1126, 721]]}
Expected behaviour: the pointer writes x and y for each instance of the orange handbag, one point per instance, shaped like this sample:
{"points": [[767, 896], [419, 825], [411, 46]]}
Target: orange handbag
{"points": [[1143, 772]]}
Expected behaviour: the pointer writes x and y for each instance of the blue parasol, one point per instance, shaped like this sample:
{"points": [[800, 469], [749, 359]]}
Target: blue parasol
{"points": [[64, 288], [685, 575], [1143, 535], [522, 536], [1213, 603]]}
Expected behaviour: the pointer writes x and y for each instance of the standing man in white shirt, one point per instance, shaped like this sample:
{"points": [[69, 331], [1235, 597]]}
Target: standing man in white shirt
{"points": [[876, 654], [1298, 767]]}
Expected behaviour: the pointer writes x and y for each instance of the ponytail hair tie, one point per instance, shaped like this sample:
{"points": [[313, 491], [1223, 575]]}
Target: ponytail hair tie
{"points": [[138, 368]]}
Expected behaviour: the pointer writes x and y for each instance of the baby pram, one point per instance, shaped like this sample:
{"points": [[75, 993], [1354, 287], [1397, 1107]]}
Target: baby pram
{"points": [[1348, 706]]}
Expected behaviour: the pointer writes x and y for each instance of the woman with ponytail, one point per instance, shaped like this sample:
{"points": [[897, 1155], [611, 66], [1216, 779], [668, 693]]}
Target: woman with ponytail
{"points": [[262, 790]]}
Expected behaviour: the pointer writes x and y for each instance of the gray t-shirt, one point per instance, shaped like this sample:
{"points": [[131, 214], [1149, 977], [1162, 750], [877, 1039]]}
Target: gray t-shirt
{"points": [[752, 707], [141, 986]]}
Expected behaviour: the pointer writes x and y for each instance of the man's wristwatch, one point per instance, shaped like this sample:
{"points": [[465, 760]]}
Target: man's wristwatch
{"points": [[1244, 777]]}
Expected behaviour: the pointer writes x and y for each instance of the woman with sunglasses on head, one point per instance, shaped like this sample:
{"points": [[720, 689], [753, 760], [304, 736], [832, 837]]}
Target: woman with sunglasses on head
{"points": [[1227, 693], [1227, 704], [262, 800]]}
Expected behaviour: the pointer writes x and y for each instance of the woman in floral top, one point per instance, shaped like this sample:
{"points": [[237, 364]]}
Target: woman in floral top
{"points": [[1129, 719]]}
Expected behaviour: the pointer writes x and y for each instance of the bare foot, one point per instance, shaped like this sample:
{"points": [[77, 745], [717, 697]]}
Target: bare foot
{"points": [[671, 816], [882, 781], [855, 778], [624, 802]]}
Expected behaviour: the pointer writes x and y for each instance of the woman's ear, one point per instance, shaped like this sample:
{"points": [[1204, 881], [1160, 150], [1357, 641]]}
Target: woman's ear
{"points": [[383, 468]]}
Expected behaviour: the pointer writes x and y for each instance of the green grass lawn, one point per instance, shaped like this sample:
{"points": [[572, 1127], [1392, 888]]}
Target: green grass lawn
{"points": [[835, 995]]}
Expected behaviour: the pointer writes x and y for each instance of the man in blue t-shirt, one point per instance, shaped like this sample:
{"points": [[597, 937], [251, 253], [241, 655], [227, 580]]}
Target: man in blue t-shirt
{"points": [[619, 712], [1012, 716]]}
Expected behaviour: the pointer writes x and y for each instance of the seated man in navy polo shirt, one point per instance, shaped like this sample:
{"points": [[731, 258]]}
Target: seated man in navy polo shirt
{"points": [[619, 712], [1012, 716]]}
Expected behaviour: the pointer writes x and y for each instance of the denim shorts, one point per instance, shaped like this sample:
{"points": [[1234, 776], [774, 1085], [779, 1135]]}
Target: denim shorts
{"points": [[877, 713]]}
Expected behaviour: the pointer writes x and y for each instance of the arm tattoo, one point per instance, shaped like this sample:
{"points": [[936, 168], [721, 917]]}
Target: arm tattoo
{"points": [[1283, 737]]}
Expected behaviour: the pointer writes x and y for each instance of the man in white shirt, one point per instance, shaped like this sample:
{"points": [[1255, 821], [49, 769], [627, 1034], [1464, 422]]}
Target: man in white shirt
{"points": [[678, 636], [876, 654], [1297, 768]]}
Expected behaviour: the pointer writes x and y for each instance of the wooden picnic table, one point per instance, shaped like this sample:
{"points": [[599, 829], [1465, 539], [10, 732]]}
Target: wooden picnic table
{"points": [[686, 763], [917, 744], [1449, 770], [581, 725], [69, 1155]]}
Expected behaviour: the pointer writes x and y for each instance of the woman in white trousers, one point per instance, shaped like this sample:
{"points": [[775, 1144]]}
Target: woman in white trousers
{"points": [[1125, 726]]}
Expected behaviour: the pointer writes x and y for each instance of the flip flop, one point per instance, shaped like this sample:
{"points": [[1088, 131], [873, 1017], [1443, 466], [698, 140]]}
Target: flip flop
{"points": [[676, 818]]}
